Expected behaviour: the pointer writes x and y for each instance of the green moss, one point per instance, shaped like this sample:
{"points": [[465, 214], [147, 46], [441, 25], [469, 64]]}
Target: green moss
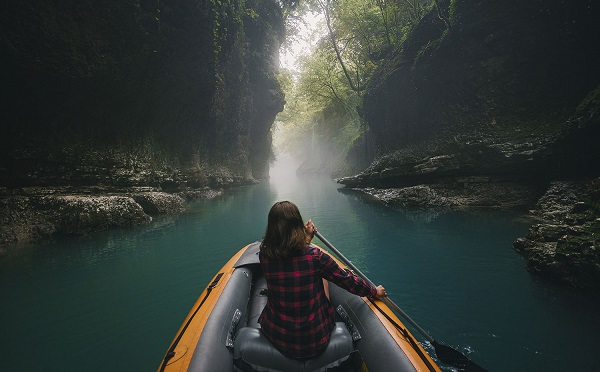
{"points": [[452, 11], [427, 50], [590, 104], [227, 22]]}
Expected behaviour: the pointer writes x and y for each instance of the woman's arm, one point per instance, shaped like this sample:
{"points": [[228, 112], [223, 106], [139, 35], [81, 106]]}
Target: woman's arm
{"points": [[331, 271]]}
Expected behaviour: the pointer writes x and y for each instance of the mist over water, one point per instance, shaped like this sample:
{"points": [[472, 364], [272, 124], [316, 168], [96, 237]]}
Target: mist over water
{"points": [[114, 300], [283, 172]]}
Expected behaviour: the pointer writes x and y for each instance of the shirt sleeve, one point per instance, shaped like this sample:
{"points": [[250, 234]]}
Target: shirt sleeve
{"points": [[331, 271]]}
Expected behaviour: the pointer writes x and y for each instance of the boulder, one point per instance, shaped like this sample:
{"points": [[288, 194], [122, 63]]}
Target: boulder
{"points": [[25, 218], [564, 245]]}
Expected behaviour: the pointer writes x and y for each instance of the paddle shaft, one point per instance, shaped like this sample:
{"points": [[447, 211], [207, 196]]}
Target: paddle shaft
{"points": [[364, 277], [445, 353]]}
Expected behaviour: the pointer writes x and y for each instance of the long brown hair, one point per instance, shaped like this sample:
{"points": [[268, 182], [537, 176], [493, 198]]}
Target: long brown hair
{"points": [[285, 234]]}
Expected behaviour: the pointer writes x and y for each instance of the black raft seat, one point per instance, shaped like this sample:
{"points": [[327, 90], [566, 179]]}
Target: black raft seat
{"points": [[253, 352]]}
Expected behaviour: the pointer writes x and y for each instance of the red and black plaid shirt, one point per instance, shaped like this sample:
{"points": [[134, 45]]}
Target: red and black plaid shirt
{"points": [[298, 318]]}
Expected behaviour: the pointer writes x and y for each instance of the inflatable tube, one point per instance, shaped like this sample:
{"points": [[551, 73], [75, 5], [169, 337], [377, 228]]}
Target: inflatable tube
{"points": [[221, 332]]}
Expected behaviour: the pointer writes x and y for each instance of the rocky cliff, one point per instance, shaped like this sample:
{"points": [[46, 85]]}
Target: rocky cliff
{"points": [[490, 104], [108, 98]]}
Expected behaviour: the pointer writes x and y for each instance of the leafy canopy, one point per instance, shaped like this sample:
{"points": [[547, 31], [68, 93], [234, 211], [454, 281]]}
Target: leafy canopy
{"points": [[322, 98]]}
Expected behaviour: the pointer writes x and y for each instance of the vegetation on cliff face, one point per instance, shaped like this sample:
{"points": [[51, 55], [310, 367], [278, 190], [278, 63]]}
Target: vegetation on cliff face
{"points": [[107, 104], [499, 68], [463, 103], [490, 104], [386, 76], [172, 94]]}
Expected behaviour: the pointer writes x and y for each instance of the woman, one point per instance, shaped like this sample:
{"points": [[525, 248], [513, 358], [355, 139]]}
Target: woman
{"points": [[298, 318]]}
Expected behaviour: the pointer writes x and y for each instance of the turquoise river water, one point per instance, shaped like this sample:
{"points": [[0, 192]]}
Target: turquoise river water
{"points": [[113, 301]]}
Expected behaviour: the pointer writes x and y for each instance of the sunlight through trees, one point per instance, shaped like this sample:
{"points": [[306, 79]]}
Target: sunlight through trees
{"points": [[337, 46]]}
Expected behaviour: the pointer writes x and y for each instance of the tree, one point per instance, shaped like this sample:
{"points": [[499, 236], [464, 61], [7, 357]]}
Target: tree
{"points": [[321, 104], [324, 4]]}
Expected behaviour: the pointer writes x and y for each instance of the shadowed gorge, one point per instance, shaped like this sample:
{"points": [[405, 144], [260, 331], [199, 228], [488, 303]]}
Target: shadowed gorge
{"points": [[449, 148], [173, 94], [130, 109], [131, 98]]}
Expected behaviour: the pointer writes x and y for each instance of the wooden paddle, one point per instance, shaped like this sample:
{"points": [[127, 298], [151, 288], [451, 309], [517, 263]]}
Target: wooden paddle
{"points": [[445, 353]]}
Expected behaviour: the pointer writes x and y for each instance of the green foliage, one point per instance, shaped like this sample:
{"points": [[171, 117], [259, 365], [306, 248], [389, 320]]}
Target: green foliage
{"points": [[321, 104], [226, 22], [320, 113], [590, 105], [252, 13]]}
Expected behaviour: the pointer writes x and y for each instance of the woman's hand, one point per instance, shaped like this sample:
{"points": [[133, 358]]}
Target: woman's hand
{"points": [[310, 230], [381, 292]]}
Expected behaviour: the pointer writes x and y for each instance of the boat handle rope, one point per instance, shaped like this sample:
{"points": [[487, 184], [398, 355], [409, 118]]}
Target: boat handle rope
{"points": [[171, 352], [349, 323]]}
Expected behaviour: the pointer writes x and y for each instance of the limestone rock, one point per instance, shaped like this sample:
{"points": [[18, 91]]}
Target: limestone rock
{"points": [[25, 218], [154, 203], [564, 246]]}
